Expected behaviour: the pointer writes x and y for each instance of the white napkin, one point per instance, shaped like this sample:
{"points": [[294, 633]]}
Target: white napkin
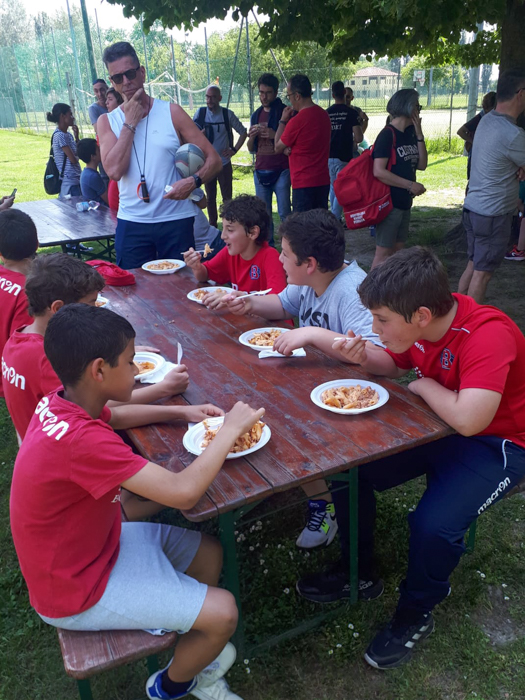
{"points": [[159, 375], [298, 352]]}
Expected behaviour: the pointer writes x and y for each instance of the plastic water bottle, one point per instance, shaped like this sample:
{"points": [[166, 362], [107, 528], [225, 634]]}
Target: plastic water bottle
{"points": [[82, 206]]}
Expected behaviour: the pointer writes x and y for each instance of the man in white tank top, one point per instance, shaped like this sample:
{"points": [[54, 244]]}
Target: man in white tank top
{"points": [[138, 142]]}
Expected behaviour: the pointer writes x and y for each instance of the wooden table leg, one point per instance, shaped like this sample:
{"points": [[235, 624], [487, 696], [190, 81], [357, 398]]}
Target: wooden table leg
{"points": [[353, 485], [231, 571]]}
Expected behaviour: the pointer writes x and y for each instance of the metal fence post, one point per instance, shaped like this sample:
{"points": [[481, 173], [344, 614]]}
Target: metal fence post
{"points": [[451, 106]]}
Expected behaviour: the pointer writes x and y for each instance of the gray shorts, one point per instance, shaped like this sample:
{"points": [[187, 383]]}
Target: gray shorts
{"points": [[487, 239], [146, 588], [393, 229]]}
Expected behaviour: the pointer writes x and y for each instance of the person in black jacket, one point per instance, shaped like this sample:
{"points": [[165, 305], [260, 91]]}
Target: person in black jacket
{"points": [[271, 173]]}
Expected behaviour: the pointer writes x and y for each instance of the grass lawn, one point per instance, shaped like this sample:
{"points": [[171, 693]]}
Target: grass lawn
{"points": [[478, 649]]}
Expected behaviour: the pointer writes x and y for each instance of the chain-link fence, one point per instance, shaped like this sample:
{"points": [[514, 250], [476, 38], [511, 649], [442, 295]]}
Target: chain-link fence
{"points": [[54, 67]]}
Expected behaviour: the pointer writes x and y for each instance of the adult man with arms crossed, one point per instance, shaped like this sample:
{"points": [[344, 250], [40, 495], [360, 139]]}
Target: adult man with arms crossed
{"points": [[498, 163], [138, 143]]}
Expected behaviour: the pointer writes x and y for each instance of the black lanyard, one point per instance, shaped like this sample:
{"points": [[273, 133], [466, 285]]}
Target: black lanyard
{"points": [[144, 193]]}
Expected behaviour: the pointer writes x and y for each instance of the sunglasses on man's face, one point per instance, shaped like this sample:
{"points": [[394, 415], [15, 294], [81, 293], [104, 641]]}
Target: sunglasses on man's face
{"points": [[130, 74]]}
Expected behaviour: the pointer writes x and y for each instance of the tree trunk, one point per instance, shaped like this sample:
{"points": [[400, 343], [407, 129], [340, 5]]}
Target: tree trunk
{"points": [[512, 54]]}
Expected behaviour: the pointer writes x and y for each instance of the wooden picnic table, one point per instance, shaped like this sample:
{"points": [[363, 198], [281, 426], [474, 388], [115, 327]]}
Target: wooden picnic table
{"points": [[59, 223], [307, 442]]}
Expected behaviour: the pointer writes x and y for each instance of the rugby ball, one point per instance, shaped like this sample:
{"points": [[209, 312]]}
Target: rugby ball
{"points": [[188, 159]]}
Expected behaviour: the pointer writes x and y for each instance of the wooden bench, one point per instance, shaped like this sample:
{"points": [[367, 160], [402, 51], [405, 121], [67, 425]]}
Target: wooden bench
{"points": [[87, 653]]}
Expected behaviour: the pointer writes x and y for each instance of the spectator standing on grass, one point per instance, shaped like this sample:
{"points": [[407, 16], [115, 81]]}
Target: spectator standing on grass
{"points": [[138, 142], [304, 135], [467, 131], [65, 148], [405, 136], [346, 133], [272, 170], [99, 107], [498, 163], [363, 117], [218, 123]]}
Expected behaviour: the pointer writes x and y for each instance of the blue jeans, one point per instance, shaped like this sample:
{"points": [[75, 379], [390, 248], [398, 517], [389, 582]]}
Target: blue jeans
{"points": [[334, 167], [138, 243], [466, 475], [282, 194]]}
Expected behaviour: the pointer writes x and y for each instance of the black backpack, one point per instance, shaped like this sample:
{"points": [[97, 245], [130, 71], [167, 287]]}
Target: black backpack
{"points": [[52, 178], [207, 127]]}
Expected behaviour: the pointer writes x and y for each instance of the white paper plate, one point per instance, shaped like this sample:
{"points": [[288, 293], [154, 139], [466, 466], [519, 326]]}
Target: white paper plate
{"points": [[317, 392], [148, 357], [192, 297], [180, 264], [193, 438], [102, 302], [245, 337]]}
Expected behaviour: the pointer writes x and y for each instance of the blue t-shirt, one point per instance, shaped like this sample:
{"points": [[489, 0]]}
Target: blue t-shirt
{"points": [[92, 185]]}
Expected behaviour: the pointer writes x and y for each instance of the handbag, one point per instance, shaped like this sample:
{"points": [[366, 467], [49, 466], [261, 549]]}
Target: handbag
{"points": [[52, 178], [268, 178]]}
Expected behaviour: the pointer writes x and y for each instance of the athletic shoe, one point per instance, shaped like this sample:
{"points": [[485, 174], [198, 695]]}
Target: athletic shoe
{"points": [[207, 678], [515, 254], [321, 527], [333, 584], [220, 690], [393, 646]]}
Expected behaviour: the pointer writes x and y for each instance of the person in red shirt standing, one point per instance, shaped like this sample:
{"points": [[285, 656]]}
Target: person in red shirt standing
{"points": [[247, 262], [305, 138], [18, 246], [470, 365], [84, 568]]}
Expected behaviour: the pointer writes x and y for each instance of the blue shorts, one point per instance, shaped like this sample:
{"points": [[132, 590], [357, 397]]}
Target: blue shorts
{"points": [[138, 243]]}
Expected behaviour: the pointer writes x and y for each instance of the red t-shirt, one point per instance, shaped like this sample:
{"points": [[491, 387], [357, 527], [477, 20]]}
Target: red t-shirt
{"points": [[308, 135], [483, 349], [27, 376], [13, 302], [65, 505], [113, 195], [263, 271]]}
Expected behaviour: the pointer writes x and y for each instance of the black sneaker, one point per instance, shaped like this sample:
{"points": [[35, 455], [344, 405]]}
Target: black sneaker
{"points": [[332, 584], [393, 646]]}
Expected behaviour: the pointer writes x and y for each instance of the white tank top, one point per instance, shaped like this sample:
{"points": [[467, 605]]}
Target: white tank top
{"points": [[162, 144]]}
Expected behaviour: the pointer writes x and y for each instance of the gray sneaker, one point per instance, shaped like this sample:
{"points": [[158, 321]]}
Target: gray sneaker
{"points": [[321, 527]]}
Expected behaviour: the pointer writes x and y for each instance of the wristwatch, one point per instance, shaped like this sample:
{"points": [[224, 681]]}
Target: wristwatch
{"points": [[198, 181]]}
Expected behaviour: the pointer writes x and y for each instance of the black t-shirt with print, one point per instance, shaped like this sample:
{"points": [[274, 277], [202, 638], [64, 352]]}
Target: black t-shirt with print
{"points": [[407, 157], [343, 120]]}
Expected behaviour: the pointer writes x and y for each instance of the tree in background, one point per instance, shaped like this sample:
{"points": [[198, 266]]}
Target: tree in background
{"points": [[351, 28]]}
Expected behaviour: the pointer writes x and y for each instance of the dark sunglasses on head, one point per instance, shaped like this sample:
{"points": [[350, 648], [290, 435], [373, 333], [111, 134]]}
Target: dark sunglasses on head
{"points": [[130, 74]]}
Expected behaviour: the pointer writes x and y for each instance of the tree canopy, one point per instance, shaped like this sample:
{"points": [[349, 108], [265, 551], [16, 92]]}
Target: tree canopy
{"points": [[352, 28]]}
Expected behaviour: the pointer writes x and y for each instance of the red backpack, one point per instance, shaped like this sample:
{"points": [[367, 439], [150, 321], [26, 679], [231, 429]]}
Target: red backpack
{"points": [[112, 274], [365, 199]]}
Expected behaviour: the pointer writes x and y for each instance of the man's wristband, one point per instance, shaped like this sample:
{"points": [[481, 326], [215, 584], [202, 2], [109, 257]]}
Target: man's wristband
{"points": [[282, 122], [233, 149], [421, 140], [198, 181], [130, 127]]}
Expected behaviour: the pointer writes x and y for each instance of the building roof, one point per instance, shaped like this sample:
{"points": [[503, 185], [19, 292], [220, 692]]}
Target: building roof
{"points": [[368, 72]]}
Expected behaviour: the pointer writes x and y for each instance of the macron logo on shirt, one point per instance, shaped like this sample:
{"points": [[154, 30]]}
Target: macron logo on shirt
{"points": [[51, 424], [11, 376], [10, 287]]}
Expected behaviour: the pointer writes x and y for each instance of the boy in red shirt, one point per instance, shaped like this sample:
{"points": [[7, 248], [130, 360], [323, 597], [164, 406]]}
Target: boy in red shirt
{"points": [[18, 245], [247, 262], [470, 364], [85, 570], [54, 281]]}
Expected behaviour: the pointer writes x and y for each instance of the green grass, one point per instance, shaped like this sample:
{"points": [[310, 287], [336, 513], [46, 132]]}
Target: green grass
{"points": [[459, 662]]}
